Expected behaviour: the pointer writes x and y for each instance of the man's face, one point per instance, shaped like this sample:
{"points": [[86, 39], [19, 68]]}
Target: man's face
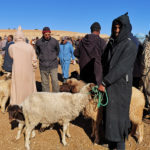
{"points": [[47, 35], [64, 41], [116, 30], [9, 39]]}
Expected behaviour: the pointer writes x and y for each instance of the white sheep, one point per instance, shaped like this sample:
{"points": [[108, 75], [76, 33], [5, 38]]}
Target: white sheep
{"points": [[5, 85], [135, 113], [48, 108], [1, 61], [1, 64]]}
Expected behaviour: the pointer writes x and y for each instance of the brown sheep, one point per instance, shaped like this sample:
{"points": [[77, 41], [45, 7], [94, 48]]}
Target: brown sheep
{"points": [[91, 111]]}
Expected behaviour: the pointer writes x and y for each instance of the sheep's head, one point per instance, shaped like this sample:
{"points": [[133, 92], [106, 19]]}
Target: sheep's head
{"points": [[90, 110], [15, 113], [87, 88], [75, 84], [72, 81], [72, 85], [65, 87]]}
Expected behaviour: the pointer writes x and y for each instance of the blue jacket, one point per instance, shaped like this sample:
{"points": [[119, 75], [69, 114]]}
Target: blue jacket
{"points": [[66, 52], [8, 61]]}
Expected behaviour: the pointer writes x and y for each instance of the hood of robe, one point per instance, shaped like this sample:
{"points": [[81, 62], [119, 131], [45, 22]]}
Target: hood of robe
{"points": [[126, 28], [19, 36]]}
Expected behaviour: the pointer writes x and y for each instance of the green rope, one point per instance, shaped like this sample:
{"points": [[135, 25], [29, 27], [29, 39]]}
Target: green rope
{"points": [[99, 95]]}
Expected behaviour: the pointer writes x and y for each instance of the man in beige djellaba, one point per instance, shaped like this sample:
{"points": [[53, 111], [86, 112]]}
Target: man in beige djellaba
{"points": [[23, 69]]}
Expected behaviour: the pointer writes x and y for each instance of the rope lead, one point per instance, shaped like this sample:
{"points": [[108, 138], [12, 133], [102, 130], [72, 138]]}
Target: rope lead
{"points": [[99, 95]]}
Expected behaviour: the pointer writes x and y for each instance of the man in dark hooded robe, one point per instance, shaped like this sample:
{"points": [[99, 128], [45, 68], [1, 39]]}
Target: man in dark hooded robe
{"points": [[118, 62], [89, 54]]}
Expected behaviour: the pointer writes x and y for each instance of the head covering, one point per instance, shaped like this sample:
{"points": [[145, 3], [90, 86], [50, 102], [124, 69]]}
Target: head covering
{"points": [[46, 29], [19, 36], [64, 38], [125, 30], [95, 27]]}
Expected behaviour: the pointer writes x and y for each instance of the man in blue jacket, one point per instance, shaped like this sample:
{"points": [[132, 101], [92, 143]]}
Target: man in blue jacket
{"points": [[65, 55], [8, 61]]}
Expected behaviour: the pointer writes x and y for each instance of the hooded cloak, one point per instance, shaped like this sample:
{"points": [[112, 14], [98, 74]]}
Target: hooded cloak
{"points": [[118, 61], [23, 75]]}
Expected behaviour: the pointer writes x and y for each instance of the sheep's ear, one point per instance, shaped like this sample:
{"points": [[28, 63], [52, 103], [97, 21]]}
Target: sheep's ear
{"points": [[92, 85]]}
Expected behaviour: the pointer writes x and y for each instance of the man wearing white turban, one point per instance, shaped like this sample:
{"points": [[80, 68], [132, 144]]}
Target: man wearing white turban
{"points": [[23, 69]]}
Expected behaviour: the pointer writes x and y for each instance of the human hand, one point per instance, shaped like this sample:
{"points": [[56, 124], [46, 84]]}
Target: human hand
{"points": [[101, 88], [73, 62]]}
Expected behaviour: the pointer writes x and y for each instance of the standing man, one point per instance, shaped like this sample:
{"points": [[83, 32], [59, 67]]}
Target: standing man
{"points": [[89, 54], [47, 49], [23, 69], [8, 61], [65, 55], [118, 62]]}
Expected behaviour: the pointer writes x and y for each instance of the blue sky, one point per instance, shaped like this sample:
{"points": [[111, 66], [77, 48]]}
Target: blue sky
{"points": [[73, 15]]}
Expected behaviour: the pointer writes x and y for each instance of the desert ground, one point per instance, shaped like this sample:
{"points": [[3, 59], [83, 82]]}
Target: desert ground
{"points": [[30, 34], [80, 130]]}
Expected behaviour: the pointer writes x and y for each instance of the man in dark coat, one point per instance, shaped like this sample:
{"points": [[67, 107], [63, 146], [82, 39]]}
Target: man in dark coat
{"points": [[89, 54], [8, 61], [47, 50], [118, 62]]}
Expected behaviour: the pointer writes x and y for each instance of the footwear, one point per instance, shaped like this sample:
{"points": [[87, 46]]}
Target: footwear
{"points": [[104, 143]]}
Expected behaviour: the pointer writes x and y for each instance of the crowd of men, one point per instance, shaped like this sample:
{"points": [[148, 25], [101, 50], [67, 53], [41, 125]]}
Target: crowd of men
{"points": [[109, 65]]}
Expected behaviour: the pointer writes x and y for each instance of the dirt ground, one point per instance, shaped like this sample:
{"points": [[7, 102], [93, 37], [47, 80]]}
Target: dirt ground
{"points": [[80, 130]]}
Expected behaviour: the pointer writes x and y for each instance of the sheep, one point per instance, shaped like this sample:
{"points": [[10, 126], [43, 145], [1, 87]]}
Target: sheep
{"points": [[90, 111], [74, 85], [48, 108], [5, 86], [135, 113]]}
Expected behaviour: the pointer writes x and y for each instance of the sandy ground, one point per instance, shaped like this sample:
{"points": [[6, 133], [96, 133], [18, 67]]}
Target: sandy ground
{"points": [[38, 33], [80, 130]]}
